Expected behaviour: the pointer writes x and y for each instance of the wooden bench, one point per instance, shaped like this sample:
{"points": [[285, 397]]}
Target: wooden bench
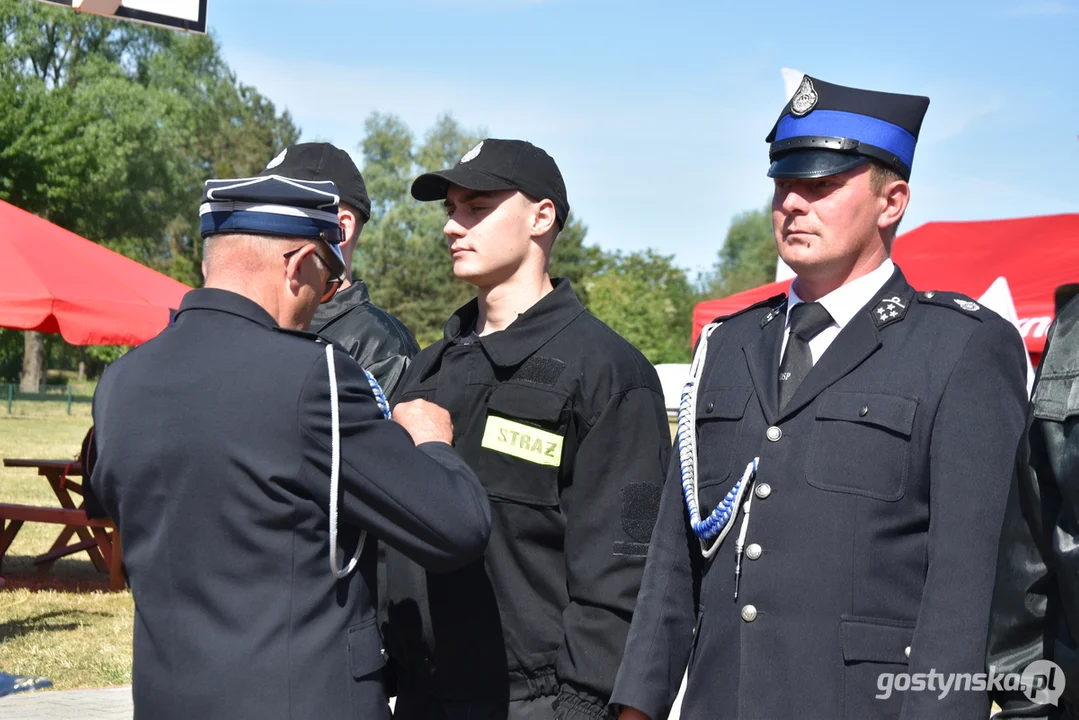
{"points": [[12, 518]]}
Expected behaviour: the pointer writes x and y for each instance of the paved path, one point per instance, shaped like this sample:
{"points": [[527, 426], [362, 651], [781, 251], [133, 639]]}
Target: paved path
{"points": [[103, 704]]}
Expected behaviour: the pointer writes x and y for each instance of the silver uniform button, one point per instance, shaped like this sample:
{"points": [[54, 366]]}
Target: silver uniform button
{"points": [[906, 651], [763, 490], [773, 433], [753, 551], [749, 613]]}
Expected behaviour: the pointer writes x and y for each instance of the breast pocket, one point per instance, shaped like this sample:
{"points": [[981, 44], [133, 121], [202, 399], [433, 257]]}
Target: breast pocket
{"points": [[860, 444], [719, 428], [523, 445]]}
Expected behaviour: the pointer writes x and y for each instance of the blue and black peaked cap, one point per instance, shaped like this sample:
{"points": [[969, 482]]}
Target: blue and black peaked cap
{"points": [[827, 129], [276, 206]]}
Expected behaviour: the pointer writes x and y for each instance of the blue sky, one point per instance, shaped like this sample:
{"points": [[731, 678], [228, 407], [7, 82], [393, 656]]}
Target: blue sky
{"points": [[657, 112]]}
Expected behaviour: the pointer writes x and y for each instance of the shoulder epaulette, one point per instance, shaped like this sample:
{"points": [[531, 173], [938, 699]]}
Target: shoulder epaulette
{"points": [[305, 334], [959, 302], [774, 303]]}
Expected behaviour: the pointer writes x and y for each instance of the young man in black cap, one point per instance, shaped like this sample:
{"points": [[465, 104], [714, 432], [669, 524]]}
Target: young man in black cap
{"points": [[232, 448], [830, 530], [373, 337], [564, 422]]}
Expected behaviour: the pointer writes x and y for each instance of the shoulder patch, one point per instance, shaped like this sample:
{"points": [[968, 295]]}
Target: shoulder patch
{"points": [[775, 304], [962, 304]]}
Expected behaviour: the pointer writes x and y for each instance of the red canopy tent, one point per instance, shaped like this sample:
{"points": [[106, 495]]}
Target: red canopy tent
{"points": [[52, 280], [1036, 255]]}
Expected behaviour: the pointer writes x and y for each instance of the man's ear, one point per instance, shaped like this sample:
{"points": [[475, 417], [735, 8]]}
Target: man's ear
{"points": [[294, 266], [894, 200], [349, 222], [544, 218]]}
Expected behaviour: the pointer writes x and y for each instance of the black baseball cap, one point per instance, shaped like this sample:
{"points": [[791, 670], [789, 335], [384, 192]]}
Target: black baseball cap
{"points": [[323, 161], [495, 165]]}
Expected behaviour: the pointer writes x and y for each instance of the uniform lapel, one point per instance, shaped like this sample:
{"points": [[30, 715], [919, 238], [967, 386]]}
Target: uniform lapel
{"points": [[856, 342], [762, 356]]}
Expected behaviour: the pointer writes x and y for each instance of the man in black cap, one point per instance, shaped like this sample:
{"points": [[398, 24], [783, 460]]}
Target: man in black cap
{"points": [[564, 422], [373, 337], [829, 531], [245, 460]]}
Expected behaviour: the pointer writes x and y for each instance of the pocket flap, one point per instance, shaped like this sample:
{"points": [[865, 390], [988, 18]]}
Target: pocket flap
{"points": [[531, 403], [365, 649], [871, 640], [891, 412], [723, 404], [1056, 398]]}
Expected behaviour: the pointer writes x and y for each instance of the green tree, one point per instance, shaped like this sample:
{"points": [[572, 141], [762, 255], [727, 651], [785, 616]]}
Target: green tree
{"points": [[747, 258], [648, 300], [109, 130]]}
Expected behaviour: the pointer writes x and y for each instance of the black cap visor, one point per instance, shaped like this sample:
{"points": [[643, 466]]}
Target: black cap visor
{"points": [[814, 164], [436, 185]]}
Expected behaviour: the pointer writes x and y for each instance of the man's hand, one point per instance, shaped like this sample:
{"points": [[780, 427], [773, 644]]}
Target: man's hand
{"points": [[425, 421], [629, 713]]}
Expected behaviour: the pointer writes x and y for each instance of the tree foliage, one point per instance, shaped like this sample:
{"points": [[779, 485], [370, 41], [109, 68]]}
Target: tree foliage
{"points": [[109, 129], [747, 258]]}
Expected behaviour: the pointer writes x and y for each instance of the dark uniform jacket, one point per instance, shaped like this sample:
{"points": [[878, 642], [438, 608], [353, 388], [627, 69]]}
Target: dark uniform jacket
{"points": [[213, 456], [374, 338], [877, 506], [1036, 600], [564, 422]]}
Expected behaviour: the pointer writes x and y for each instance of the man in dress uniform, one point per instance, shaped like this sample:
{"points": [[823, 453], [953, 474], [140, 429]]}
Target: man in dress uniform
{"points": [[565, 424], [245, 460], [844, 460], [1035, 616], [377, 340]]}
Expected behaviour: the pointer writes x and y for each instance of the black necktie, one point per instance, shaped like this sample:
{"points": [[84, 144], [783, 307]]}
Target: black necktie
{"points": [[807, 321]]}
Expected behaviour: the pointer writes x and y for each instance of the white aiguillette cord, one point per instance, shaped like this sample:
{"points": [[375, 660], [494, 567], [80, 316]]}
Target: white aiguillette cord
{"points": [[335, 474]]}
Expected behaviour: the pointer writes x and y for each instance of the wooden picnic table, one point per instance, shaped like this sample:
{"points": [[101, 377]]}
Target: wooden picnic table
{"points": [[93, 534]]}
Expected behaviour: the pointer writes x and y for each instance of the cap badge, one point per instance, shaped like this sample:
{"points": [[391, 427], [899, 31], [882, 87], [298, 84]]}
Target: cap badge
{"points": [[805, 99], [277, 160], [968, 305], [471, 154]]}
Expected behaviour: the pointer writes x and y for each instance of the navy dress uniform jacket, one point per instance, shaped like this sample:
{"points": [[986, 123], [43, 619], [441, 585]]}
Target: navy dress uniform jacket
{"points": [[877, 508], [565, 424], [214, 446]]}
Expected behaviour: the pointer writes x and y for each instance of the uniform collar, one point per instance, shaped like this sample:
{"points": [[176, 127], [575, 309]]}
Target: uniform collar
{"points": [[225, 301], [847, 300], [525, 335], [355, 294]]}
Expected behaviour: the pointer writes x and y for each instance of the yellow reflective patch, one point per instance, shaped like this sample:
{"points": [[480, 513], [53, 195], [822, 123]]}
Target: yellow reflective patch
{"points": [[522, 441]]}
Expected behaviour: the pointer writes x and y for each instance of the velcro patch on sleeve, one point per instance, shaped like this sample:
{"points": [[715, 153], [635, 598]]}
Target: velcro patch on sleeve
{"points": [[522, 441], [640, 508]]}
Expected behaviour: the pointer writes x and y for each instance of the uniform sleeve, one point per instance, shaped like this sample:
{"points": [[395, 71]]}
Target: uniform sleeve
{"points": [[423, 501], [1026, 594], [610, 510], [660, 639], [975, 434], [389, 372]]}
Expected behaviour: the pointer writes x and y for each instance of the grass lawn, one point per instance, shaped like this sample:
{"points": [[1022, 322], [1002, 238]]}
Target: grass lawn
{"points": [[63, 625]]}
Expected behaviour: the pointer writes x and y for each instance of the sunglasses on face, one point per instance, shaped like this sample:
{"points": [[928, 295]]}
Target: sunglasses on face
{"points": [[332, 282]]}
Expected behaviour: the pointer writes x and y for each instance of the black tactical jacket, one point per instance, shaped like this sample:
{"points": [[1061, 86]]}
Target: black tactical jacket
{"points": [[1035, 612], [564, 422]]}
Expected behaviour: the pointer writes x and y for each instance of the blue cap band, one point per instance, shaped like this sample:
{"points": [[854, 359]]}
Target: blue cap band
{"points": [[864, 129]]}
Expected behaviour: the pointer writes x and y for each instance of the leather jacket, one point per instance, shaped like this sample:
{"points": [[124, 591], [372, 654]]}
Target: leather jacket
{"points": [[1035, 612], [374, 338]]}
